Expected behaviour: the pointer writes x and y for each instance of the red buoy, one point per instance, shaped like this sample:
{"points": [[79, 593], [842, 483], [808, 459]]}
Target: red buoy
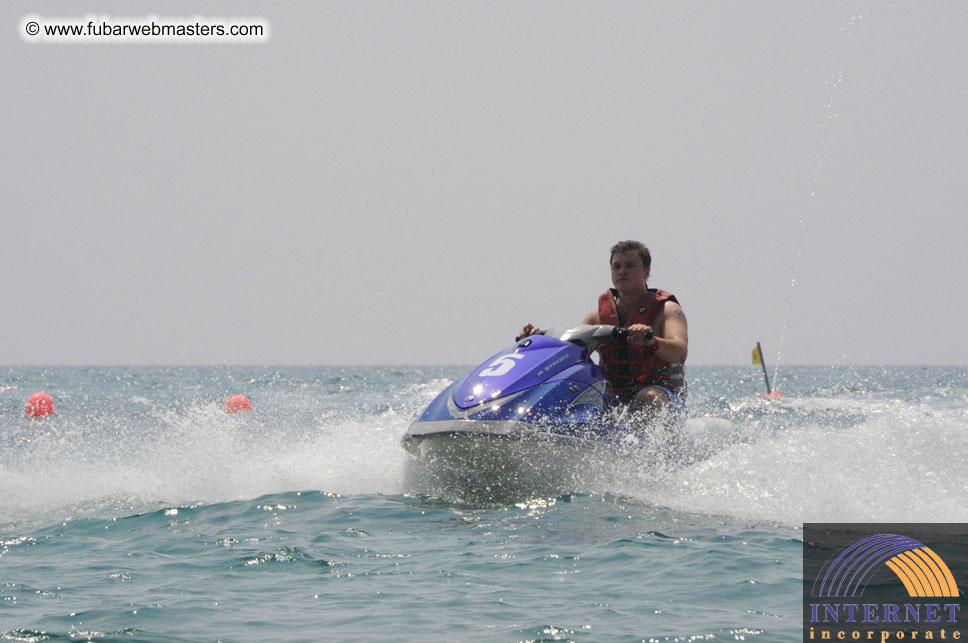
{"points": [[39, 404], [238, 403]]}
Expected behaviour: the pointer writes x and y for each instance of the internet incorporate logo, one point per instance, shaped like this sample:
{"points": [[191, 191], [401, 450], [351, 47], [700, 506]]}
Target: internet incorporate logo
{"points": [[921, 570], [882, 585]]}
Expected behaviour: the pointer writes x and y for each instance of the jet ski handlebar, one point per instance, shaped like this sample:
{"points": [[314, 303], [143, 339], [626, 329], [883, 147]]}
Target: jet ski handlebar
{"points": [[590, 336]]}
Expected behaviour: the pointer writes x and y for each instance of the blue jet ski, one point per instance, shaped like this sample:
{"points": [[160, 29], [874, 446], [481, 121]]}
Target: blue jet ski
{"points": [[536, 411]]}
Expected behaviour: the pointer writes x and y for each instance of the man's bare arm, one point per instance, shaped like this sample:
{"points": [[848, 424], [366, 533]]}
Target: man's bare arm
{"points": [[672, 342]]}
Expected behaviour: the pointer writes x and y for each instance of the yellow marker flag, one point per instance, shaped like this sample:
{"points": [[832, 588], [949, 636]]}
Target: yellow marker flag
{"points": [[758, 359]]}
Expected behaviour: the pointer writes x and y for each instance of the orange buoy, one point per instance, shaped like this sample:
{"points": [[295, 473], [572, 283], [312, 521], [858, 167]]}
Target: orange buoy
{"points": [[238, 403], [773, 394], [39, 404]]}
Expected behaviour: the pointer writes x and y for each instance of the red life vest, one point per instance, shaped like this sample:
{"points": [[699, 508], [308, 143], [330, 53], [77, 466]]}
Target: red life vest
{"points": [[631, 368]]}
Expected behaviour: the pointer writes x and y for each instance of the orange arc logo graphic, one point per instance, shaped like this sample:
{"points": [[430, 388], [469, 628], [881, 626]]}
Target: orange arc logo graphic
{"points": [[923, 573]]}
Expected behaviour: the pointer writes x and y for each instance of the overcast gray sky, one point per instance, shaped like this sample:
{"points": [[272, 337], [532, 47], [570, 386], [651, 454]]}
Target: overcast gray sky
{"points": [[409, 182]]}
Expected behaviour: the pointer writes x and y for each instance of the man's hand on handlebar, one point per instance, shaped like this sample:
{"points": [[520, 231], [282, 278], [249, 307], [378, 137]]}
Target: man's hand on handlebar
{"points": [[641, 335], [527, 331]]}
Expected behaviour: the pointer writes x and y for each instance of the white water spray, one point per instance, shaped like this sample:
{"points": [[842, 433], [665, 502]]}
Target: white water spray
{"points": [[832, 86]]}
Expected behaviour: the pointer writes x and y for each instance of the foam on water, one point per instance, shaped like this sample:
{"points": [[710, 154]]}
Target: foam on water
{"points": [[102, 463], [200, 456], [901, 463], [816, 456]]}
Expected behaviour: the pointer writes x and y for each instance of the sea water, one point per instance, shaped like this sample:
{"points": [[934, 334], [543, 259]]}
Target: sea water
{"points": [[142, 511]]}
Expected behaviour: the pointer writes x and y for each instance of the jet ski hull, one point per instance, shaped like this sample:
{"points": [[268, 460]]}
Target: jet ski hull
{"points": [[508, 460], [535, 418]]}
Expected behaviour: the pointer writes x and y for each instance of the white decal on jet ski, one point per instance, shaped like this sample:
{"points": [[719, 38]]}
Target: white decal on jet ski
{"points": [[501, 365]]}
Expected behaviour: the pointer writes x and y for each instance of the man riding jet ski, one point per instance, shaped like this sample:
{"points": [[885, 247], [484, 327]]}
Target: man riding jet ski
{"points": [[545, 392], [647, 371]]}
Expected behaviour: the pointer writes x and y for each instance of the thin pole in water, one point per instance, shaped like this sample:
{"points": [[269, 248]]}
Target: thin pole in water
{"points": [[758, 359]]}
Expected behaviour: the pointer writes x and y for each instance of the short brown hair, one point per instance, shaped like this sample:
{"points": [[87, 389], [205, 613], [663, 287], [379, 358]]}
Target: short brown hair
{"points": [[629, 246]]}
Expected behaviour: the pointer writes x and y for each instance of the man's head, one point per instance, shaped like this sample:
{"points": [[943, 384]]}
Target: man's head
{"points": [[630, 263], [632, 246]]}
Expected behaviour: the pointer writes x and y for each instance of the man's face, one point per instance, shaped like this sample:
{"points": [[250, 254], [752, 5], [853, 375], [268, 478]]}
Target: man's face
{"points": [[627, 270]]}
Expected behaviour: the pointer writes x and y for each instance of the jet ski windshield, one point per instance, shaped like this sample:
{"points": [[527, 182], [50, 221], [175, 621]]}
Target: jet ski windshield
{"points": [[532, 361], [592, 337]]}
